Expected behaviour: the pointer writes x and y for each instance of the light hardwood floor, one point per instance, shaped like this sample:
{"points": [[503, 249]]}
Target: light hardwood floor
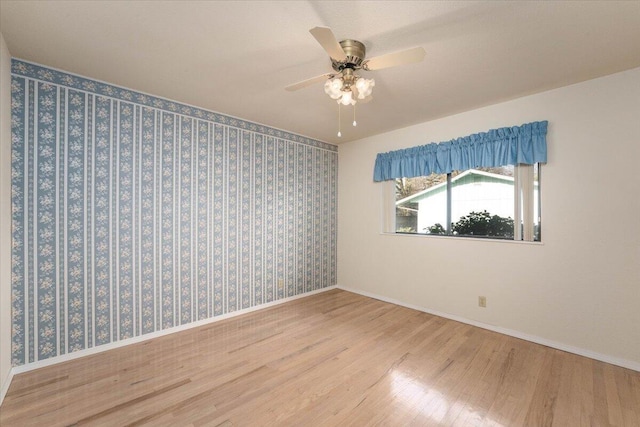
{"points": [[332, 359]]}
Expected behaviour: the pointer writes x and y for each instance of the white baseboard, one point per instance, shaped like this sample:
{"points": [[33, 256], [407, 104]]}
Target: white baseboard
{"points": [[5, 387], [94, 350], [629, 364], [517, 334]]}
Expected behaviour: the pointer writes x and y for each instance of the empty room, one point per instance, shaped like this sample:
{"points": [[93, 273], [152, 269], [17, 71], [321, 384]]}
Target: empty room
{"points": [[319, 213]]}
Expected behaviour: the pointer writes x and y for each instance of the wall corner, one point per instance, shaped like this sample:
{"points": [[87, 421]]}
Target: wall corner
{"points": [[5, 217]]}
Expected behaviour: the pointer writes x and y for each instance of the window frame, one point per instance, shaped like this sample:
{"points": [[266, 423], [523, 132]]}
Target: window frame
{"points": [[524, 204]]}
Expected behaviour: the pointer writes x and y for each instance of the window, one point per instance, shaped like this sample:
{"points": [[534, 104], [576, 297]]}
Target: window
{"points": [[464, 186], [499, 203]]}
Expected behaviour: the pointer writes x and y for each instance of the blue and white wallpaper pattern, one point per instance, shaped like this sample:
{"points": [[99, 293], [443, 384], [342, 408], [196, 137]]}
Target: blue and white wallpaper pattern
{"points": [[134, 214]]}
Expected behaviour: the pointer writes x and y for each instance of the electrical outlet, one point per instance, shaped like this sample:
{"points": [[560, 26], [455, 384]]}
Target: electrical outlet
{"points": [[482, 301], [280, 283]]}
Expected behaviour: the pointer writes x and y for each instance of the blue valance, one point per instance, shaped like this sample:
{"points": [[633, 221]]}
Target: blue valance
{"points": [[498, 147]]}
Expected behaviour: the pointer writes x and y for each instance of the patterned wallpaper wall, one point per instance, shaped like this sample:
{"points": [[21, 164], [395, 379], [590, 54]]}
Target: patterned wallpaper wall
{"points": [[133, 214]]}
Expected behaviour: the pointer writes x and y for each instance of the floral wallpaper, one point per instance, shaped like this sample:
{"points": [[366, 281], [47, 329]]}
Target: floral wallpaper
{"points": [[134, 214]]}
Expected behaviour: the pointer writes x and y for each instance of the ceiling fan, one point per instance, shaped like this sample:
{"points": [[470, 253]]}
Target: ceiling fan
{"points": [[348, 57]]}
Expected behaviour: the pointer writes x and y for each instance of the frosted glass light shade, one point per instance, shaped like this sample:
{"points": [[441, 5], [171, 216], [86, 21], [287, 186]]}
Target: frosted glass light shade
{"points": [[347, 98], [333, 88], [346, 95], [365, 87]]}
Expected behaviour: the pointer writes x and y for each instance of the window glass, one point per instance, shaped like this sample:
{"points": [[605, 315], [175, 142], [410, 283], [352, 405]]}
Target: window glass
{"points": [[472, 203], [482, 203], [421, 204]]}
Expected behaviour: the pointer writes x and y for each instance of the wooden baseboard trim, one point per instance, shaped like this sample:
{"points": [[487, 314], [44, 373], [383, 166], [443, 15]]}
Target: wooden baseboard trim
{"points": [[629, 364]]}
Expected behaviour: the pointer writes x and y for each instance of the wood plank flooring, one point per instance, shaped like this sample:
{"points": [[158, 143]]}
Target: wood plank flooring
{"points": [[332, 359]]}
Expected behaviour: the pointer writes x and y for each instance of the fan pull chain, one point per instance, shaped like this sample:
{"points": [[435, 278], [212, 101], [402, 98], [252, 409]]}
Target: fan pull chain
{"points": [[339, 133], [354, 115]]}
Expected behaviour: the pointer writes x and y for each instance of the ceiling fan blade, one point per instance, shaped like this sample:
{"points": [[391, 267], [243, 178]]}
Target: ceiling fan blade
{"points": [[366, 100], [328, 41], [394, 59], [308, 82]]}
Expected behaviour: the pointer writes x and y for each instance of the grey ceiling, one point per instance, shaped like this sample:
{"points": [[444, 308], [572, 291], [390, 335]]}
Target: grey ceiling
{"points": [[237, 57]]}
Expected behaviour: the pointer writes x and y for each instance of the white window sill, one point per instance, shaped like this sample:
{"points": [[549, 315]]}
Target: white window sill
{"points": [[466, 239]]}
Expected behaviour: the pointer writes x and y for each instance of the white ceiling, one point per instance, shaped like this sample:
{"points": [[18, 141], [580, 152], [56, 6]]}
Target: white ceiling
{"points": [[236, 57]]}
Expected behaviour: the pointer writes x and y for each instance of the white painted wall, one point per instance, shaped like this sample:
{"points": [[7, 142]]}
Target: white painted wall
{"points": [[581, 286], [5, 215]]}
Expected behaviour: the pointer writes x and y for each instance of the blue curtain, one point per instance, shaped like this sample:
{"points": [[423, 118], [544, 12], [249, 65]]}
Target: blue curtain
{"points": [[498, 147]]}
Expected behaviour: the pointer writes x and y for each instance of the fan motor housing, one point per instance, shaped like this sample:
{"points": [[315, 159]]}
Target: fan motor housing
{"points": [[355, 52]]}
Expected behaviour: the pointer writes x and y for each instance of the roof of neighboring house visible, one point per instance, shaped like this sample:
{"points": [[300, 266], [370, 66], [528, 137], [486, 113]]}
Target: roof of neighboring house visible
{"points": [[468, 172]]}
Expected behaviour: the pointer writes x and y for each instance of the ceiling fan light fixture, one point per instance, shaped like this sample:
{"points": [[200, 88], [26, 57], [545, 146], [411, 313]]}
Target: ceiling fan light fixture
{"points": [[348, 57], [348, 92]]}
